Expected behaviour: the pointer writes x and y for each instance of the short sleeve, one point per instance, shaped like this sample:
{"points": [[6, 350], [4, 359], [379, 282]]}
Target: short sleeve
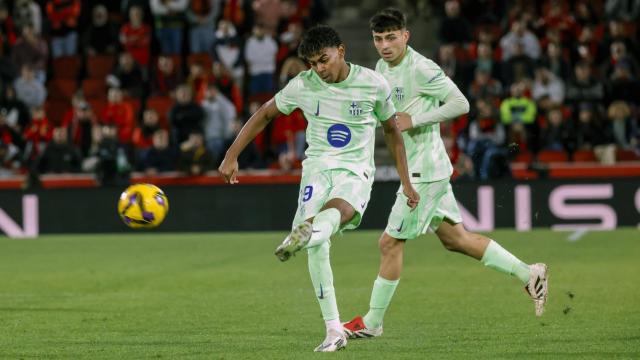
{"points": [[384, 107], [432, 81], [287, 98]]}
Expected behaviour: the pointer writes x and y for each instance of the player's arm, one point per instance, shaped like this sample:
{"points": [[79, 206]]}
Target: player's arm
{"points": [[433, 82], [257, 122], [395, 144]]}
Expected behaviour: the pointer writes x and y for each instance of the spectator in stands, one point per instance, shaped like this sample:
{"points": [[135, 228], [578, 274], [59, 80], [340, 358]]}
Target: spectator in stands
{"points": [[239, 13], [557, 17], [548, 90], [143, 134], [519, 67], [9, 159], [197, 80], [127, 76], [485, 60], [228, 50], [166, 77], [592, 132], [119, 114], [17, 114], [288, 139], [290, 68], [618, 54], [451, 65], [622, 84], [202, 15], [585, 13], [59, 156], [618, 33], [453, 27], [31, 49], [80, 122], [28, 89], [224, 81], [519, 35], [195, 158], [112, 167], [160, 157], [554, 61], [518, 114], [556, 134], [11, 142], [586, 48], [135, 37], [37, 134], [185, 116], [220, 115], [486, 140], [583, 87], [169, 21], [625, 128], [483, 86], [627, 10], [289, 43], [63, 16], [101, 36], [260, 54], [27, 13], [7, 28]]}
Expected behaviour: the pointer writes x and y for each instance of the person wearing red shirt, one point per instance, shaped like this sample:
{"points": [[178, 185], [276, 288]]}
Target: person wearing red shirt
{"points": [[37, 134], [135, 36], [120, 114], [63, 16], [288, 138]]}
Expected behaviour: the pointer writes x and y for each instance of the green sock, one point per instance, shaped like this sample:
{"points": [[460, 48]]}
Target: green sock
{"points": [[325, 224], [322, 279], [381, 295], [496, 257]]}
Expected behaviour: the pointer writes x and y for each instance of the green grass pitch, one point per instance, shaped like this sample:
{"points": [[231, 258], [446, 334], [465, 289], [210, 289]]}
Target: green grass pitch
{"points": [[225, 296]]}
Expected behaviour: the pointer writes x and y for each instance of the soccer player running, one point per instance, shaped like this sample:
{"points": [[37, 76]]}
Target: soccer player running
{"points": [[418, 87], [342, 103]]}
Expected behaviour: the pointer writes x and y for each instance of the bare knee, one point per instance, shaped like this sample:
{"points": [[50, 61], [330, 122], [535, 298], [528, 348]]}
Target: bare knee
{"points": [[390, 246], [454, 241]]}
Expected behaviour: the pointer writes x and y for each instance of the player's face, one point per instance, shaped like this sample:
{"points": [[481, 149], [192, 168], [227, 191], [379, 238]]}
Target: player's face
{"points": [[327, 63], [391, 44]]}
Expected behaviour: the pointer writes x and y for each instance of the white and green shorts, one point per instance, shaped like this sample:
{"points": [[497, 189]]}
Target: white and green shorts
{"points": [[436, 204], [318, 187]]}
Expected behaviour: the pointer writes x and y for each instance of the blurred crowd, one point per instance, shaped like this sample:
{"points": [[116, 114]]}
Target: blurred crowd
{"points": [[547, 80], [111, 87]]}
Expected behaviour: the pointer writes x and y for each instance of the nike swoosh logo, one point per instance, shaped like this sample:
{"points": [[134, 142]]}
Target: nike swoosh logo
{"points": [[321, 293], [400, 227], [317, 109], [363, 204]]}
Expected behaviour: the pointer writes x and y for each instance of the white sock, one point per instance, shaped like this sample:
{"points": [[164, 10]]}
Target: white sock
{"points": [[325, 224], [334, 324]]}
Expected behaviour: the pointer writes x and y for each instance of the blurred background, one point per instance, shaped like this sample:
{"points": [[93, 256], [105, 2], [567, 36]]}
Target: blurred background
{"points": [[95, 95]]}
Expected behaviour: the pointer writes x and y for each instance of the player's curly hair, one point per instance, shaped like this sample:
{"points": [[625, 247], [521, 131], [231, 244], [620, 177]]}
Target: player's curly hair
{"points": [[388, 19], [316, 39]]}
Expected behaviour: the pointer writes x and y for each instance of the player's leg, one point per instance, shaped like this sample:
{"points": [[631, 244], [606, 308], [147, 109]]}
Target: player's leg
{"points": [[454, 237]]}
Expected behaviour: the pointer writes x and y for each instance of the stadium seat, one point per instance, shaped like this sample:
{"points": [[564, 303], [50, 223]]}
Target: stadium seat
{"points": [[523, 157], [584, 156], [94, 88], [55, 110], [549, 156], [61, 89], [161, 104], [99, 66], [135, 104], [97, 105], [66, 67], [202, 58], [626, 155]]}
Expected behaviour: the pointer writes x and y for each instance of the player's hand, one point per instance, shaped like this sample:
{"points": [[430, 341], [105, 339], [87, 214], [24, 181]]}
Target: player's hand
{"points": [[229, 170], [403, 120], [413, 198]]}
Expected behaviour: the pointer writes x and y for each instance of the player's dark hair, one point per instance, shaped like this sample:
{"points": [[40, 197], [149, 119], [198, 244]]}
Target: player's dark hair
{"points": [[389, 19], [316, 39]]}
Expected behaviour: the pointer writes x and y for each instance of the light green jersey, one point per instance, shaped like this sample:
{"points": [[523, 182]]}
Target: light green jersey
{"points": [[418, 86], [341, 117]]}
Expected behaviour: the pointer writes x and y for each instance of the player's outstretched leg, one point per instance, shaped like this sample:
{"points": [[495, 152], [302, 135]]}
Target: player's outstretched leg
{"points": [[491, 254], [295, 241]]}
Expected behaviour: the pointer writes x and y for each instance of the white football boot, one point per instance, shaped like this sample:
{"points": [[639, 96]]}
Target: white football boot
{"points": [[297, 239], [335, 340], [537, 286]]}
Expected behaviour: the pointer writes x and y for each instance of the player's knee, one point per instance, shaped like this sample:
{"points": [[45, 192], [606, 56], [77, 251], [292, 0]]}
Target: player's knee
{"points": [[346, 214], [389, 246], [451, 243]]}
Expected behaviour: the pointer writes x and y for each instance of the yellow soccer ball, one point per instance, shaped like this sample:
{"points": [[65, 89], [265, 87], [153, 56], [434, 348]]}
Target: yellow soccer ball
{"points": [[143, 206]]}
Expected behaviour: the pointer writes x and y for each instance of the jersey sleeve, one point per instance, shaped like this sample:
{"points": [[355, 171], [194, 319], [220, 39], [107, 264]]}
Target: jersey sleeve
{"points": [[432, 81], [384, 107], [287, 98]]}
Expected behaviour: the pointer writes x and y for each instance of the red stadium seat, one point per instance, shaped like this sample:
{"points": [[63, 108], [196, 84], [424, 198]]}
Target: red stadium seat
{"points": [[161, 104], [55, 110], [61, 89], [99, 66], [584, 156], [548, 156], [94, 88], [626, 155], [97, 105], [201, 58], [66, 67], [523, 157]]}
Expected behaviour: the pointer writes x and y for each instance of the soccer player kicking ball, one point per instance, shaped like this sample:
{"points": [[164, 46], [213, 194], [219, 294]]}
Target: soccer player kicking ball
{"points": [[342, 103], [418, 86]]}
